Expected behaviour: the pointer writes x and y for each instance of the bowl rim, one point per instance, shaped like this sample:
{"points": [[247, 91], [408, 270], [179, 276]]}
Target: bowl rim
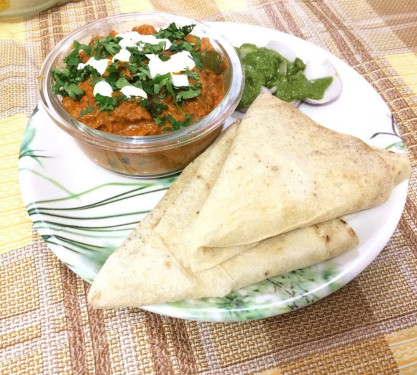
{"points": [[188, 134]]}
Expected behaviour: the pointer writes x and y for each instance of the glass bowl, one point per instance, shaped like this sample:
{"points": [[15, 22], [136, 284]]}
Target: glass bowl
{"points": [[143, 156]]}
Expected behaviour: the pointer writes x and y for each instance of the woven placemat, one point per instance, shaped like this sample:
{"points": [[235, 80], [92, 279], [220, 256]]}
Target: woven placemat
{"points": [[367, 327]]}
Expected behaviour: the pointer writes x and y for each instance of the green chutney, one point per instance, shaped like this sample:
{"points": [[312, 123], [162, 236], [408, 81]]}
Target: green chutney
{"points": [[265, 67]]}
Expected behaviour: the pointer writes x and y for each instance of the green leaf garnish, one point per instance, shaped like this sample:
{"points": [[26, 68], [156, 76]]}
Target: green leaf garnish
{"points": [[187, 94], [103, 47], [173, 33], [179, 124], [133, 72], [160, 121], [122, 82], [196, 58], [85, 111], [106, 103], [72, 90]]}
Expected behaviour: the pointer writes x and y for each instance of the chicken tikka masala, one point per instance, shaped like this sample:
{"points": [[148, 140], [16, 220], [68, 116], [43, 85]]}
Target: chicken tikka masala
{"points": [[141, 82]]}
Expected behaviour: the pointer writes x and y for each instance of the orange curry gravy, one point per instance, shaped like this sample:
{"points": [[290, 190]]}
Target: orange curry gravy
{"points": [[131, 119]]}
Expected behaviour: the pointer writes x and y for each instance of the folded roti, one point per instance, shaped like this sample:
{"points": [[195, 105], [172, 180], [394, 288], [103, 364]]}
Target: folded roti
{"points": [[139, 274], [153, 264], [285, 172], [144, 271]]}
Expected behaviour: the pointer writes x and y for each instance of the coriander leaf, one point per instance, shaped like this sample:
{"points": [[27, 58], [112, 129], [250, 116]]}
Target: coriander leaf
{"points": [[85, 111], [113, 74], [138, 84], [160, 121], [181, 46], [70, 75], [145, 104], [78, 46], [173, 33], [73, 91], [155, 49], [136, 56], [144, 73], [122, 82], [103, 47], [106, 103], [73, 59], [196, 58], [194, 76], [157, 108], [187, 94], [179, 124]]}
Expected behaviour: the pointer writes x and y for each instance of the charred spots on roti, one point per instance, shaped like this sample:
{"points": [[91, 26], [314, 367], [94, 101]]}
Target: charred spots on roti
{"points": [[258, 158], [168, 264], [293, 236], [207, 185]]}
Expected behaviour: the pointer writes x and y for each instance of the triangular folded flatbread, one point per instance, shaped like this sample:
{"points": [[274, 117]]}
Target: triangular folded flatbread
{"points": [[301, 174], [144, 271], [158, 263]]}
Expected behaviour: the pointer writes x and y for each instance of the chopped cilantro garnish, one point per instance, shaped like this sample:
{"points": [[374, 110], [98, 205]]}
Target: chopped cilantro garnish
{"points": [[134, 72], [67, 79], [144, 73], [73, 59], [106, 103], [187, 94], [85, 111], [105, 46], [193, 75], [173, 33], [145, 104], [71, 90], [179, 124], [113, 74], [181, 46], [136, 56], [155, 49], [196, 58], [122, 82], [160, 121]]}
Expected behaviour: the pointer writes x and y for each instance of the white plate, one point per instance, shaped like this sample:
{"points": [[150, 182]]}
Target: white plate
{"points": [[84, 212]]}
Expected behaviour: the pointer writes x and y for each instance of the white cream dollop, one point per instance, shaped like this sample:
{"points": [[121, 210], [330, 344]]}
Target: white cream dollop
{"points": [[176, 64], [180, 80], [130, 91], [131, 38], [122, 55], [99, 65], [102, 88]]}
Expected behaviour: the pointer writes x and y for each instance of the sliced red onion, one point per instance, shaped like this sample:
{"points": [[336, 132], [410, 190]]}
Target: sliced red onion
{"points": [[282, 49], [322, 69], [265, 90]]}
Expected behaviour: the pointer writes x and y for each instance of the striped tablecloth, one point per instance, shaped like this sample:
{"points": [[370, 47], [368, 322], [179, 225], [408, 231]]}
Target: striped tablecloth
{"points": [[367, 327]]}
